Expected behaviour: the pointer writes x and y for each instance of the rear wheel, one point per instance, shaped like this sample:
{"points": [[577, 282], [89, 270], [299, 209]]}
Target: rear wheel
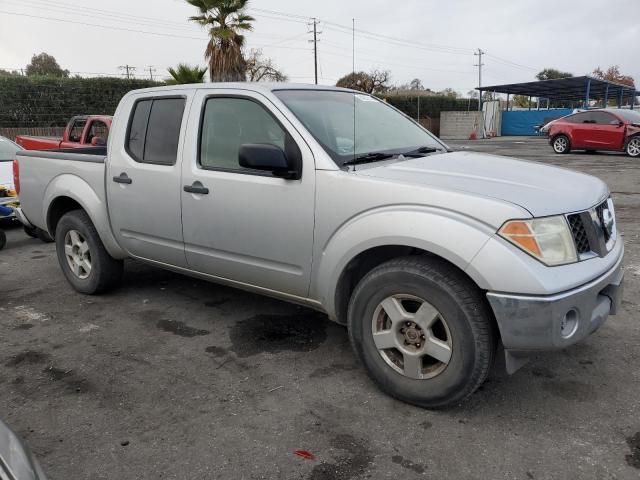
{"points": [[422, 331], [561, 144], [84, 261], [633, 147]]}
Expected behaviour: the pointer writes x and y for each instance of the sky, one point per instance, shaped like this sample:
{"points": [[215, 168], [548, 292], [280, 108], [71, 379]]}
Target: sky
{"points": [[426, 39]]}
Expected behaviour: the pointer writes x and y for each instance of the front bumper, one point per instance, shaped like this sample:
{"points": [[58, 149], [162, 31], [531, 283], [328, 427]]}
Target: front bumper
{"points": [[533, 323]]}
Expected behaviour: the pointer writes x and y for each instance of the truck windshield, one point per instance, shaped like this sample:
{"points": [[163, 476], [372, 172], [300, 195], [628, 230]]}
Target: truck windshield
{"points": [[378, 129]]}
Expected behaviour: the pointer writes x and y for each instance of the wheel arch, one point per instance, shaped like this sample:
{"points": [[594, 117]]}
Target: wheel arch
{"points": [[69, 192], [364, 244]]}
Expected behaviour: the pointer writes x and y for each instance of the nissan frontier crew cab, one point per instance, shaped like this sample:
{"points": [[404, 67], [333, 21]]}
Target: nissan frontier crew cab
{"points": [[332, 199]]}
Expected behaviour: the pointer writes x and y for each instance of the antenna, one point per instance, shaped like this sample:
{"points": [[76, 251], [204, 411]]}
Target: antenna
{"points": [[353, 26]]}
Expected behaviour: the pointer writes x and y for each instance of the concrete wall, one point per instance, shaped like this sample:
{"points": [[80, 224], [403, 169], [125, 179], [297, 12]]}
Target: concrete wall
{"points": [[459, 125]]}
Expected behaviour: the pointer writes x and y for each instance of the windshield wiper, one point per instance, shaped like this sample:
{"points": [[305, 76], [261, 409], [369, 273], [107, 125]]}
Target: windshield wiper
{"points": [[419, 152], [370, 157]]}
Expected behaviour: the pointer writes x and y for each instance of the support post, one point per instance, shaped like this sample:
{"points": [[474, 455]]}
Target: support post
{"points": [[606, 97], [587, 95], [620, 93], [508, 94], [529, 102]]}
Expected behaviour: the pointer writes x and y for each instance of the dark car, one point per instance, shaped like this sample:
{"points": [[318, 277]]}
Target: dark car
{"points": [[610, 129]]}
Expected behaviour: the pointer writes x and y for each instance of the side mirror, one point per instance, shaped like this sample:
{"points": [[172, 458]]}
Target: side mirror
{"points": [[267, 157], [98, 142]]}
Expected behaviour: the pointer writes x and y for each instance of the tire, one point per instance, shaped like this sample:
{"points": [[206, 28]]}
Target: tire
{"points": [[561, 144], [3, 239], [633, 147], [463, 323], [82, 256], [44, 236], [31, 231]]}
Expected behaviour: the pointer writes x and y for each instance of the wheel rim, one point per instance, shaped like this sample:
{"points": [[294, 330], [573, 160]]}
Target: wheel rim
{"points": [[77, 253], [560, 144], [412, 336], [633, 148]]}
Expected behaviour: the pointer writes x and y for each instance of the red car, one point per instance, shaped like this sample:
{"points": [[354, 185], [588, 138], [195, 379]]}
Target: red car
{"points": [[81, 131], [611, 129]]}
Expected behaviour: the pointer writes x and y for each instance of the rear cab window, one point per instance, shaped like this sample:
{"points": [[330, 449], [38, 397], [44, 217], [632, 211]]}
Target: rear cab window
{"points": [[154, 130]]}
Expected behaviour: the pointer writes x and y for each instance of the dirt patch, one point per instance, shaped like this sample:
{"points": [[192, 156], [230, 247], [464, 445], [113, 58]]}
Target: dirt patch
{"points": [[180, 329], [570, 390], [633, 459], [216, 351], [408, 464], [27, 357], [330, 370], [352, 464], [277, 333], [72, 382]]}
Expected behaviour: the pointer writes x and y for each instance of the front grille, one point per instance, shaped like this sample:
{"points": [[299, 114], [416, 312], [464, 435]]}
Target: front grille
{"points": [[599, 212], [579, 234]]}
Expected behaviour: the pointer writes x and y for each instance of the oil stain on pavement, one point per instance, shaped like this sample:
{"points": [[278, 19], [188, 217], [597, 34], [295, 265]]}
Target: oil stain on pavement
{"points": [[633, 459], [180, 329], [408, 464], [27, 357], [352, 464], [302, 332]]}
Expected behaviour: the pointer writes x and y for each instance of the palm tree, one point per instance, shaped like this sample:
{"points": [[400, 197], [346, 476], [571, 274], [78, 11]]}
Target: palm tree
{"points": [[225, 19], [184, 73]]}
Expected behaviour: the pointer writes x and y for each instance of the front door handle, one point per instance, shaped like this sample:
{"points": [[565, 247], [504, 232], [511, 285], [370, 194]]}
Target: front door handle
{"points": [[123, 178], [196, 188]]}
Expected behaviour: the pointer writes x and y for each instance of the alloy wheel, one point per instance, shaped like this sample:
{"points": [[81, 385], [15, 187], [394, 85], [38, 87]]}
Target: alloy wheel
{"points": [[633, 148], [77, 253], [560, 144], [412, 336]]}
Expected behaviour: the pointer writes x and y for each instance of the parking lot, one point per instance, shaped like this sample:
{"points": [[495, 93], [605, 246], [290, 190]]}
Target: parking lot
{"points": [[174, 378]]}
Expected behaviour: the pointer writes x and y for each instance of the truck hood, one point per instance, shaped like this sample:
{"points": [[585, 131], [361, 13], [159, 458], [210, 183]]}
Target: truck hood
{"points": [[541, 189]]}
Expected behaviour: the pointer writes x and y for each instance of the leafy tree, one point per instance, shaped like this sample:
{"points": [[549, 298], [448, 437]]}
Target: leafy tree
{"points": [[375, 82], [448, 92], [225, 20], [7, 73], [184, 74], [613, 74], [552, 74], [522, 101], [472, 93], [260, 69], [45, 65], [416, 84]]}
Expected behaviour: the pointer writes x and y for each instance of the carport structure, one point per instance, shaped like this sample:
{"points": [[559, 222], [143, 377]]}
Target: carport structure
{"points": [[583, 89]]}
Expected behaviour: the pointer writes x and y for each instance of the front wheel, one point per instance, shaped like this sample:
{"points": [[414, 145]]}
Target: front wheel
{"points": [[561, 144], [84, 261], [422, 330], [633, 147]]}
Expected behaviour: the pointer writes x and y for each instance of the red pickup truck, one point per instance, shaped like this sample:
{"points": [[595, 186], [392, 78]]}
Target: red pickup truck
{"points": [[81, 131]]}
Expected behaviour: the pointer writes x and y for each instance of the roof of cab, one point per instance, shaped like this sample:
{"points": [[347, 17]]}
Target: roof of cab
{"points": [[264, 87]]}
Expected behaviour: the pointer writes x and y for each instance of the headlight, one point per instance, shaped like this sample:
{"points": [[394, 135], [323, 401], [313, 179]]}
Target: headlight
{"points": [[547, 239]]}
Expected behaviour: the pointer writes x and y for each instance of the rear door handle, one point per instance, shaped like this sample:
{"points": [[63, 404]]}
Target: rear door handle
{"points": [[123, 178], [196, 188]]}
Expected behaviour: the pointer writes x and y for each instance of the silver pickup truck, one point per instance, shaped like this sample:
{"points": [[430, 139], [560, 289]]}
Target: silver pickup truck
{"points": [[335, 200]]}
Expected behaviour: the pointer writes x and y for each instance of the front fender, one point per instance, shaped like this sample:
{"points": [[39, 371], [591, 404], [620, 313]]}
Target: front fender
{"points": [[452, 236], [79, 190]]}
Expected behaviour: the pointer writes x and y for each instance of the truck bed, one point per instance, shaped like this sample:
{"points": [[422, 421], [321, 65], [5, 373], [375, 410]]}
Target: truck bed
{"points": [[81, 170]]}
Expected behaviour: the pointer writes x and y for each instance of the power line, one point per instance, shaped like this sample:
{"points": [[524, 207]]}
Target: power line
{"points": [[127, 69]]}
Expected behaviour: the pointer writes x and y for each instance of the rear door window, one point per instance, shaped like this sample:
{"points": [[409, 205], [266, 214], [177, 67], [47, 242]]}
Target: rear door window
{"points": [[75, 133], [154, 130]]}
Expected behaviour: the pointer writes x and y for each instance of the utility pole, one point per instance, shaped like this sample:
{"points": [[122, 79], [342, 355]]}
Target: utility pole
{"points": [[479, 54], [129, 70], [151, 70], [315, 47]]}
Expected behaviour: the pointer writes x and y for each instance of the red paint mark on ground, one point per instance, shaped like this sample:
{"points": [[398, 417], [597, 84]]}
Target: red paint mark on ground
{"points": [[304, 454]]}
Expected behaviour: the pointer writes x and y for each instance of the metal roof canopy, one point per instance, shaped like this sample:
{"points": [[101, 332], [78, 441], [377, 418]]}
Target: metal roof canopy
{"points": [[574, 88]]}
